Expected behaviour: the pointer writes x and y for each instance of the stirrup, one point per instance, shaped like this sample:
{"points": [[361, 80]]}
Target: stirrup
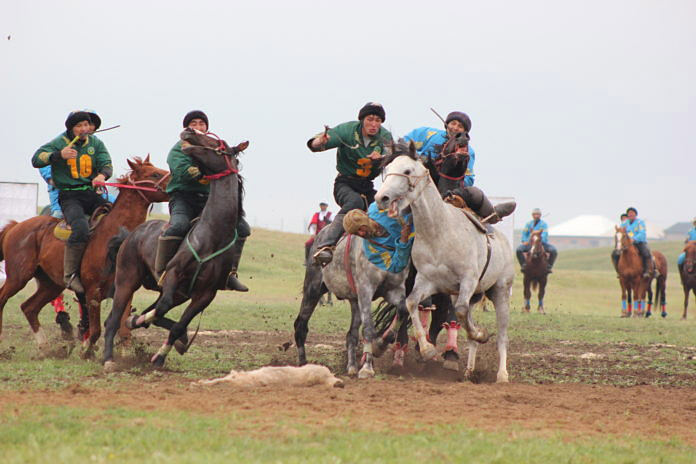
{"points": [[321, 258]]}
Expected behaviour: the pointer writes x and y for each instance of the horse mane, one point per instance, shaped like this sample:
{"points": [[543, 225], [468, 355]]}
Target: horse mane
{"points": [[400, 148], [137, 160]]}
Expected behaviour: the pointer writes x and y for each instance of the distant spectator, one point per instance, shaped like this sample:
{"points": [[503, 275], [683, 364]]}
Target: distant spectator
{"points": [[320, 219]]}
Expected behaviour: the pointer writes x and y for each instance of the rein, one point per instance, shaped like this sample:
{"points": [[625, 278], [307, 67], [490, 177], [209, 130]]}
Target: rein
{"points": [[200, 261], [134, 185]]}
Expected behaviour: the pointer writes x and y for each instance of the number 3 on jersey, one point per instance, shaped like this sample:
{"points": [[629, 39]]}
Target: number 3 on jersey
{"points": [[365, 167], [85, 166]]}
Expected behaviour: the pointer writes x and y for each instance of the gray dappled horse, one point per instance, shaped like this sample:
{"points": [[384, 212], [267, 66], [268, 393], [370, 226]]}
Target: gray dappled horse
{"points": [[464, 270], [189, 275]]}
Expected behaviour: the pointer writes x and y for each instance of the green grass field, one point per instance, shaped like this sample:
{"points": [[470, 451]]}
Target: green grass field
{"points": [[582, 307]]}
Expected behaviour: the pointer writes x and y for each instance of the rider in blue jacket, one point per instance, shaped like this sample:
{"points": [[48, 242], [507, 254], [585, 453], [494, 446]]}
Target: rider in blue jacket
{"points": [[536, 224], [430, 142], [690, 237], [635, 229]]}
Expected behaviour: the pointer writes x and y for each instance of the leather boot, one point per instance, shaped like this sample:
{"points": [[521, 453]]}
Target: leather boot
{"points": [[327, 240], [233, 282], [646, 266], [166, 249], [71, 266], [481, 205]]}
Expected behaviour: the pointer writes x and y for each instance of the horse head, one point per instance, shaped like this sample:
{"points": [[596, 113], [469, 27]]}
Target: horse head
{"points": [[153, 179], [404, 179], [536, 249], [621, 239], [450, 167], [212, 154], [690, 259]]}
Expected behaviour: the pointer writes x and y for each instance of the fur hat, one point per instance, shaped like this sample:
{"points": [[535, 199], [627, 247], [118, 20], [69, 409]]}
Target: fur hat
{"points": [[461, 117], [631, 208], [94, 117], [536, 211], [372, 108], [357, 218], [75, 117], [195, 114]]}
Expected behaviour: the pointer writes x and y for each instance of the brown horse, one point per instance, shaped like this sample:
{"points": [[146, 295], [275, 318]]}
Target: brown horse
{"points": [[688, 273], [31, 250], [633, 284], [660, 285], [535, 271]]}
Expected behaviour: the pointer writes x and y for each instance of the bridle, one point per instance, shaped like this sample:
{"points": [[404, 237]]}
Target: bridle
{"points": [[411, 183], [536, 248], [137, 185], [221, 149]]}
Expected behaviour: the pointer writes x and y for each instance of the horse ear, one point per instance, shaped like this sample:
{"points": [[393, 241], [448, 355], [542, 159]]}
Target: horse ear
{"points": [[147, 159], [241, 147], [132, 165], [412, 150]]}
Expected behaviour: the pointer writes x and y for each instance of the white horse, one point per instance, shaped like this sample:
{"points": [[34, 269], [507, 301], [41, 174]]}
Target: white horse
{"points": [[452, 256]]}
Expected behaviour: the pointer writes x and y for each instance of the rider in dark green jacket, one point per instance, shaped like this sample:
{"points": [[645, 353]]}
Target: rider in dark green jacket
{"points": [[188, 192], [360, 147], [78, 161]]}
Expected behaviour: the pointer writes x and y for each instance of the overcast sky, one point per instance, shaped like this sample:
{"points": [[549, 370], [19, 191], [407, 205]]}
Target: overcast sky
{"points": [[577, 107]]}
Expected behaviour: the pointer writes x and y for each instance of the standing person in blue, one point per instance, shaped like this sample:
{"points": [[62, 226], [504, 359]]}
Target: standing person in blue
{"points": [[188, 192], [690, 237], [360, 147], [536, 224], [79, 162], [635, 229], [430, 142]]}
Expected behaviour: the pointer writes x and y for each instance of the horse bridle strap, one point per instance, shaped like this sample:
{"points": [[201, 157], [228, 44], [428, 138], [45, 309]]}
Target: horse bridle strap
{"points": [[225, 173], [133, 185], [411, 185]]}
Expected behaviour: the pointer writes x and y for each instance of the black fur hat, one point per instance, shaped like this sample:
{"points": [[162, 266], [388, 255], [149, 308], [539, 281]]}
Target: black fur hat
{"points": [[191, 115], [461, 117], [74, 117], [372, 108]]}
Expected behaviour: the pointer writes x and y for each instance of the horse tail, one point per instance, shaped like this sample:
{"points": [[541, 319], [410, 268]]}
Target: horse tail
{"points": [[383, 317], [3, 233], [112, 247]]}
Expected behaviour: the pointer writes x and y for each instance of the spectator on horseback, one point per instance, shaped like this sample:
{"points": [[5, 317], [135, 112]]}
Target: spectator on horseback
{"points": [[79, 162], [690, 237], [536, 224], [320, 219], [635, 229], [188, 192], [430, 143], [360, 148]]}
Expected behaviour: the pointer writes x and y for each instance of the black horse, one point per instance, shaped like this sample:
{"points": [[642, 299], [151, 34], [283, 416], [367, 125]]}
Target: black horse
{"points": [[202, 263]]}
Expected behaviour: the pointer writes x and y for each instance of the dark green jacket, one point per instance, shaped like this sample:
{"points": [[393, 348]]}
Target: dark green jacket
{"points": [[74, 174], [351, 154], [186, 177]]}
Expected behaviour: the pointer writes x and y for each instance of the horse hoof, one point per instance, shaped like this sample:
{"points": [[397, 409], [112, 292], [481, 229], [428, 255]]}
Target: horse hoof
{"points": [[352, 371], [664, 314], [451, 365], [398, 359], [502, 378], [87, 353], [109, 367], [429, 352], [158, 360], [181, 347], [648, 314], [541, 311], [366, 373], [132, 322], [468, 374]]}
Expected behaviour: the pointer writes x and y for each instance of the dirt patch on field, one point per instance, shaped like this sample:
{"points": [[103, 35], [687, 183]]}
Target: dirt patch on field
{"points": [[575, 410]]}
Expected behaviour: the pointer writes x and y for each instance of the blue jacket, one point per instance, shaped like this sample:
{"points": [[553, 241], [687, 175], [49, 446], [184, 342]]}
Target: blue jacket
{"points": [[531, 226], [636, 230], [429, 142], [692, 234], [394, 259]]}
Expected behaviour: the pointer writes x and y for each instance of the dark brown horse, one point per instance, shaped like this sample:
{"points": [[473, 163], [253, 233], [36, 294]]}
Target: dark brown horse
{"points": [[633, 284], [688, 273], [31, 250], [200, 266], [535, 271], [660, 276]]}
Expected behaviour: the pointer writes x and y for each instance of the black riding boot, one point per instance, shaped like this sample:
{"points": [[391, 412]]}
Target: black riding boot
{"points": [[646, 265], [71, 266], [327, 240], [553, 254], [233, 282], [481, 205], [520, 259], [615, 260], [166, 249]]}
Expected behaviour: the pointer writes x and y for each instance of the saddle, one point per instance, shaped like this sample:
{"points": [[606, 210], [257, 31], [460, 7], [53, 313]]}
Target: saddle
{"points": [[63, 231], [476, 220]]}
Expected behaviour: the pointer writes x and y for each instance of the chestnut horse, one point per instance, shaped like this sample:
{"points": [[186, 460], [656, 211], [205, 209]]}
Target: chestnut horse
{"points": [[633, 284], [688, 273], [535, 271], [31, 250]]}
